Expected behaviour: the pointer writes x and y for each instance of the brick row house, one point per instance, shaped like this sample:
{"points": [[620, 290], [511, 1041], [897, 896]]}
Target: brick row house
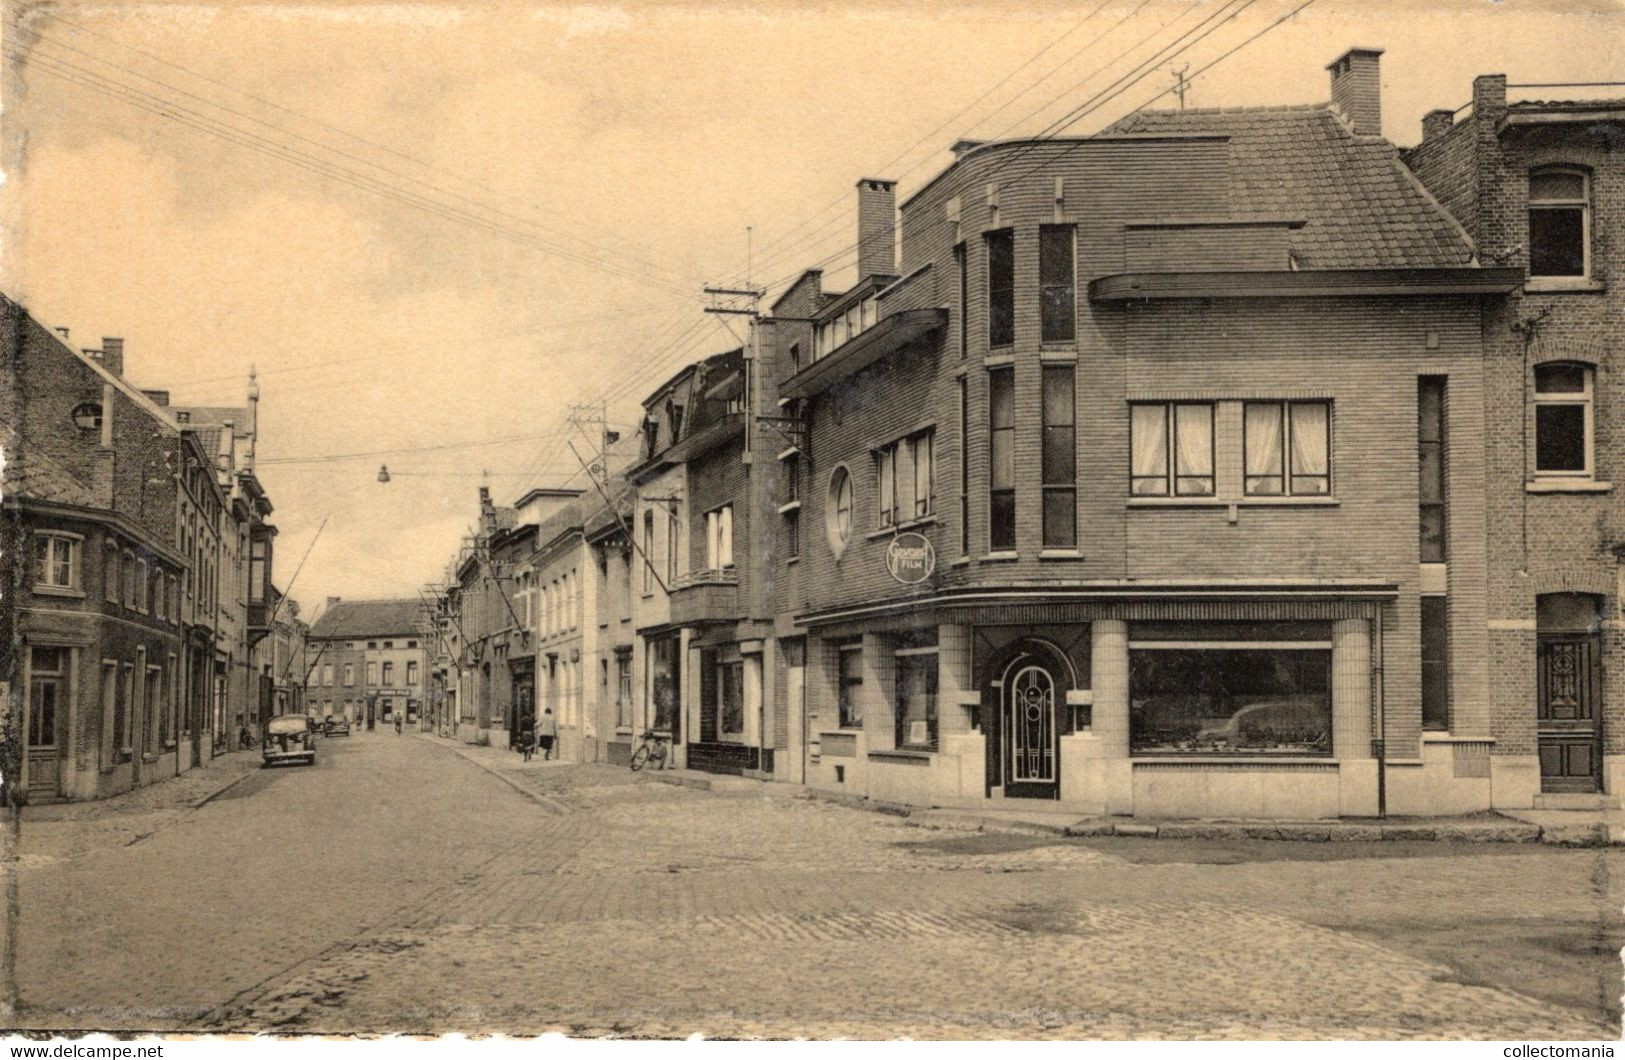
{"points": [[135, 545], [1539, 185], [366, 661], [1171, 471]]}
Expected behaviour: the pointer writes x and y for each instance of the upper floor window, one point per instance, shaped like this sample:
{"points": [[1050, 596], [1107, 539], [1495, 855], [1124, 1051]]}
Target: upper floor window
{"points": [[56, 561], [129, 572], [1059, 458], [389, 673], [673, 554], [1563, 419], [411, 673], [962, 270], [648, 551], [1559, 223], [905, 479], [1288, 448], [142, 586], [1001, 444], [1057, 289], [838, 510], [110, 572], [1171, 450], [719, 538], [1001, 288]]}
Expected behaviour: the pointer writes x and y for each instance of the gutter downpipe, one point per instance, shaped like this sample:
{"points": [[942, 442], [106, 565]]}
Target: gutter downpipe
{"points": [[1380, 744]]}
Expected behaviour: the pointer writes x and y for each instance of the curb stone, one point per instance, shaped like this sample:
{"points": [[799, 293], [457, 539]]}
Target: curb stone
{"points": [[232, 783]]}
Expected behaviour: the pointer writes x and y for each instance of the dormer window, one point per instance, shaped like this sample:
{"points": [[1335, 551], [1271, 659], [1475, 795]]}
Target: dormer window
{"points": [[1559, 224], [674, 416]]}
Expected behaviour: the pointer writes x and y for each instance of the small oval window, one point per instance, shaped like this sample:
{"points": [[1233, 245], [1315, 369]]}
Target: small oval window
{"points": [[88, 416], [838, 510]]}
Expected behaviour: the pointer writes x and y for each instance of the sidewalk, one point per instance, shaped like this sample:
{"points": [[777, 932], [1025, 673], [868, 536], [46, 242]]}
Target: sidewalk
{"points": [[191, 789], [1579, 828], [507, 766]]}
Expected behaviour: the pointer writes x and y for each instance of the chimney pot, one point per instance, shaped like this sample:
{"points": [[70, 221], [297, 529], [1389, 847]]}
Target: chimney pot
{"points": [[877, 227], [1357, 89], [62, 333]]}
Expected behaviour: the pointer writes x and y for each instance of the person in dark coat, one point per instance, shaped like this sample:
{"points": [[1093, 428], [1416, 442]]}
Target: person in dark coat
{"points": [[527, 736]]}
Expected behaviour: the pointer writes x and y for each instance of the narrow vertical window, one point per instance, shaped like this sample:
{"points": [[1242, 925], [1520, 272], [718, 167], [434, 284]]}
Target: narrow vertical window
{"points": [[648, 551], [672, 535], [962, 266], [1057, 289], [1435, 663], [849, 685], [1001, 460], [923, 450], [1430, 455], [964, 467], [1060, 458], [1001, 288]]}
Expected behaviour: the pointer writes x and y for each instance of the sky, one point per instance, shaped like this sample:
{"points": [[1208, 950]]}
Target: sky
{"points": [[432, 229]]}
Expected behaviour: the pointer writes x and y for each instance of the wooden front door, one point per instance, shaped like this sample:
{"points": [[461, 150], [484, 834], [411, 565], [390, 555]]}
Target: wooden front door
{"points": [[46, 717], [1569, 693]]}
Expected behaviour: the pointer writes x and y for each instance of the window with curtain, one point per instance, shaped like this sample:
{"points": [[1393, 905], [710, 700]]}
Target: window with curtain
{"points": [[1001, 288], [1287, 448], [1001, 433], [1171, 449], [1057, 288], [648, 551], [1060, 457], [849, 685], [719, 538], [904, 471], [56, 561]]}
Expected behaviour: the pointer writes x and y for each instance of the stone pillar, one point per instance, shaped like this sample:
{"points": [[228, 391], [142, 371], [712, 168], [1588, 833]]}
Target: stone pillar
{"points": [[1109, 654], [956, 687], [1351, 688]]}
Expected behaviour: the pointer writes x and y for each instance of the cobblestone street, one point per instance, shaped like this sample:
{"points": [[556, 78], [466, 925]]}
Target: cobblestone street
{"points": [[362, 895]]}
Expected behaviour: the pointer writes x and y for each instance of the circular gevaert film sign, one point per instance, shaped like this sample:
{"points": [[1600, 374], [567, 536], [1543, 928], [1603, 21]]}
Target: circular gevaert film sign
{"points": [[910, 558]]}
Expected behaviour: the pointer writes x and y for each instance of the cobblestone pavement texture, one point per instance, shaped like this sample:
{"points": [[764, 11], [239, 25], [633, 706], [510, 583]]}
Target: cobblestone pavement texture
{"points": [[398, 886]]}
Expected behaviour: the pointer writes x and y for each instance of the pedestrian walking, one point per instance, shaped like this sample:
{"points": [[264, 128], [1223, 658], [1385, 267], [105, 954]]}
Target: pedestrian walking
{"points": [[397, 725], [527, 736], [547, 731]]}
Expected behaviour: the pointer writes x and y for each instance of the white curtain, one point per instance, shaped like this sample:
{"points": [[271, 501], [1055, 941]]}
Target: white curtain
{"points": [[922, 474], [1264, 455], [1193, 428], [1148, 433], [1311, 442]]}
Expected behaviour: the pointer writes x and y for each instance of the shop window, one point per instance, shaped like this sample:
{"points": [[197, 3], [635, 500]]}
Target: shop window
{"points": [[849, 685], [1171, 450], [916, 695], [1563, 419], [1435, 664], [1559, 224], [1245, 697], [731, 697], [1001, 288], [1001, 393], [663, 682], [1057, 288], [1287, 448], [1059, 459]]}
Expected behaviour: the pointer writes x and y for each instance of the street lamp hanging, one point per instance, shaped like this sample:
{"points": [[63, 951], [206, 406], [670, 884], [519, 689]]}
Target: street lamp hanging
{"points": [[383, 472]]}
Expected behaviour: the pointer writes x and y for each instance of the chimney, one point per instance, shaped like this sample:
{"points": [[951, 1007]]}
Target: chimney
{"points": [[62, 333], [1436, 123], [1357, 89], [962, 146], [113, 355], [877, 228], [1490, 96], [157, 397], [331, 600]]}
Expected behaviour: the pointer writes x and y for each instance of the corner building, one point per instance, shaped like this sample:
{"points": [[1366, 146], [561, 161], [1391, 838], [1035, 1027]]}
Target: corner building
{"points": [[1191, 414]]}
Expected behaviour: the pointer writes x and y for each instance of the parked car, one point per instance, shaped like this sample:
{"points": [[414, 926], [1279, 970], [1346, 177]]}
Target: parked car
{"points": [[289, 738], [335, 725]]}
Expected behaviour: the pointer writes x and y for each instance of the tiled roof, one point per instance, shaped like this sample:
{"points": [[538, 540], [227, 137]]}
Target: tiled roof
{"points": [[352, 619], [38, 477], [1364, 209]]}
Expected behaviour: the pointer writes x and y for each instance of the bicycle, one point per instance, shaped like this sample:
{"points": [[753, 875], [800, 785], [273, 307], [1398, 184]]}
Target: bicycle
{"points": [[654, 749]]}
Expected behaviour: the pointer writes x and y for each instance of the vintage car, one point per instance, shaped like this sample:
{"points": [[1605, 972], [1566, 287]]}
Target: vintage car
{"points": [[289, 738], [335, 725]]}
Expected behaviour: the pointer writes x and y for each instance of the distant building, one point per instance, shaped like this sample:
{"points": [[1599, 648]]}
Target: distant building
{"points": [[366, 661]]}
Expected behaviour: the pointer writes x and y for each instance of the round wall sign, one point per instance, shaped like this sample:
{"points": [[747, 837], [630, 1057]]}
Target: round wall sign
{"points": [[910, 558]]}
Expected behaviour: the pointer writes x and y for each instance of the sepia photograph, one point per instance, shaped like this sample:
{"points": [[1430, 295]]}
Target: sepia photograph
{"points": [[910, 521]]}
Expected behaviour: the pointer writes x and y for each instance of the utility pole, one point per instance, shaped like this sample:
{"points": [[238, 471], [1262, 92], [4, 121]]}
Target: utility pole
{"points": [[1181, 84]]}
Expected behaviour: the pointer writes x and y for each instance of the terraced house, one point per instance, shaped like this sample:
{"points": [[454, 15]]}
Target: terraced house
{"points": [[1539, 185], [1147, 475]]}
